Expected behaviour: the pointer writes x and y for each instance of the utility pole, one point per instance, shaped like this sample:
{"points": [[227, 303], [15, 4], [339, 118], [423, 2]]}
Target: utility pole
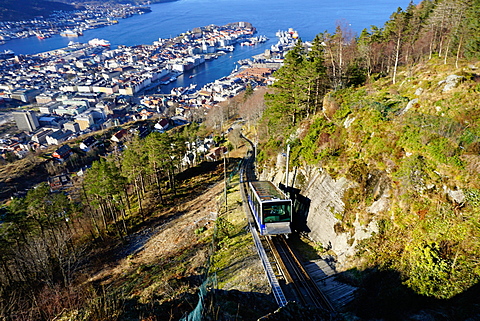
{"points": [[225, 177], [288, 160]]}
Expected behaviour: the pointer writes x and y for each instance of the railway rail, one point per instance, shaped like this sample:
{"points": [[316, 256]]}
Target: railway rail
{"points": [[293, 273]]}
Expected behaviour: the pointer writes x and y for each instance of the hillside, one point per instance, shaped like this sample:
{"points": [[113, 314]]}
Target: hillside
{"points": [[384, 135], [12, 10], [391, 173]]}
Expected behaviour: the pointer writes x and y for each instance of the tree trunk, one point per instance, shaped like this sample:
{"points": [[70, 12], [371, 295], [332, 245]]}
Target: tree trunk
{"points": [[142, 183], [139, 198], [123, 216], [157, 180], [446, 52], [397, 54]]}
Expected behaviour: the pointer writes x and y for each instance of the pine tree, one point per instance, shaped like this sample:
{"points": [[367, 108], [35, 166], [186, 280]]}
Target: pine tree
{"points": [[286, 99], [396, 31], [472, 30], [315, 74]]}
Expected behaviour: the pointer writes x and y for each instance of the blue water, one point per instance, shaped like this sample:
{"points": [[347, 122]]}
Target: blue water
{"points": [[308, 17]]}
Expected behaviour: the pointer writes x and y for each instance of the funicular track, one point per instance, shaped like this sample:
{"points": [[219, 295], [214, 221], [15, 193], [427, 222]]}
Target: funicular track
{"points": [[293, 274]]}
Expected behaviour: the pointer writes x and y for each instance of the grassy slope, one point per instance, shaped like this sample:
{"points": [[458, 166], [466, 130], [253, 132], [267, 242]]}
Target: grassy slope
{"points": [[428, 243], [155, 273]]}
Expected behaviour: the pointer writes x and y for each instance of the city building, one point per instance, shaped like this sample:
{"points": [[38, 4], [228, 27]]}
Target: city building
{"points": [[41, 136], [73, 126], [58, 137], [26, 120], [84, 120], [24, 95]]}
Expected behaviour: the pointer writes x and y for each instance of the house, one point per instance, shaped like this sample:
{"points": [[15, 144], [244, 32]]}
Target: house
{"points": [[179, 121], [59, 182], [162, 125], [216, 153], [73, 126], [41, 136], [58, 137], [88, 144], [119, 136], [63, 152]]}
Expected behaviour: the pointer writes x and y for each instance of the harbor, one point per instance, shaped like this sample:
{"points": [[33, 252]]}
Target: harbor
{"points": [[253, 72], [86, 87]]}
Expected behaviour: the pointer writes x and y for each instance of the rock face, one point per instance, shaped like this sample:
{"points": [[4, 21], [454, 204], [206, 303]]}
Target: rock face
{"points": [[451, 82], [324, 195]]}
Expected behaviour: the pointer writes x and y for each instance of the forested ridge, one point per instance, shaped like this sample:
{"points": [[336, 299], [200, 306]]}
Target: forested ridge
{"points": [[47, 237], [395, 111], [13, 10], [373, 107]]}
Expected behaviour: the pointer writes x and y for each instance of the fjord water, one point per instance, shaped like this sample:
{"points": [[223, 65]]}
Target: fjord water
{"points": [[308, 17]]}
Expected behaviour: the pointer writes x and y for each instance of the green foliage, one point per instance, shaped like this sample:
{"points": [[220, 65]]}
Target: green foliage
{"points": [[356, 75], [360, 133], [342, 112], [413, 173], [440, 150], [200, 230], [248, 92], [219, 139], [472, 45], [299, 89], [430, 273], [314, 146], [224, 228], [268, 151], [472, 196]]}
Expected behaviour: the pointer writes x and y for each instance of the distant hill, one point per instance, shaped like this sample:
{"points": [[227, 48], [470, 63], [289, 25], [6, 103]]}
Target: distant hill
{"points": [[13, 10]]}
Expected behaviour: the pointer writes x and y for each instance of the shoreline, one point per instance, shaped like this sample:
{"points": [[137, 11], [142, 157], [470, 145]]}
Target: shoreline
{"points": [[52, 26]]}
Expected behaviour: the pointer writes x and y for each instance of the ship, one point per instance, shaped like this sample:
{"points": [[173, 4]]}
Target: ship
{"points": [[179, 91], [73, 44], [71, 33], [7, 54], [226, 48], [99, 42]]}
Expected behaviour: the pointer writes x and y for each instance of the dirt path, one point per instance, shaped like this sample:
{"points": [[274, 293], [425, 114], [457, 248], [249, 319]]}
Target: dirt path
{"points": [[151, 244]]}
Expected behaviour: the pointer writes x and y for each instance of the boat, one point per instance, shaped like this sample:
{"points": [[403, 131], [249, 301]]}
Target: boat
{"points": [[73, 44], [244, 62], [7, 54], [69, 33], [99, 42], [179, 91], [41, 35]]}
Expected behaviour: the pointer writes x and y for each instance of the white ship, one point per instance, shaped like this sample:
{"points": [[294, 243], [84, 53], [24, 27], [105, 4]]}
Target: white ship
{"points": [[71, 33], [99, 42]]}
